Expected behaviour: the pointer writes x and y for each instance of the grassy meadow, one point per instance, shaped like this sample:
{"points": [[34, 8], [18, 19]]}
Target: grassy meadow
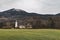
{"points": [[29, 34]]}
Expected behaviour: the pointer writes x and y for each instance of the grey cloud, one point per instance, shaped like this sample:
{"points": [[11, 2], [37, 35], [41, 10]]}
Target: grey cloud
{"points": [[38, 6], [50, 6]]}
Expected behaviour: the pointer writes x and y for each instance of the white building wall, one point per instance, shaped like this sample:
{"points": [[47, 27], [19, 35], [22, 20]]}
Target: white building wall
{"points": [[16, 24]]}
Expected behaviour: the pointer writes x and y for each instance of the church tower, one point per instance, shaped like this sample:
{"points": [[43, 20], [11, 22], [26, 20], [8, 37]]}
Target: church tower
{"points": [[16, 24]]}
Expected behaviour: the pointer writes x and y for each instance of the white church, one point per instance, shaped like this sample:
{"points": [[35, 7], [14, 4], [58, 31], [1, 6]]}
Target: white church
{"points": [[21, 26]]}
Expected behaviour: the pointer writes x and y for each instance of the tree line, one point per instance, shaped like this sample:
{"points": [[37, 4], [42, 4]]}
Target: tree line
{"points": [[36, 22]]}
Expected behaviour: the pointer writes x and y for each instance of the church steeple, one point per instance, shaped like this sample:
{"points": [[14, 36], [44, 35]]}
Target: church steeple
{"points": [[16, 24]]}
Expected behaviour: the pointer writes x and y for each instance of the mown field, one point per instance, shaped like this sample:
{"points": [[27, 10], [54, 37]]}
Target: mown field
{"points": [[29, 34]]}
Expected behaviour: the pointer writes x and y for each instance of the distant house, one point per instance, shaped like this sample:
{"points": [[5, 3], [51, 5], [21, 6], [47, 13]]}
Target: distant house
{"points": [[28, 26], [22, 26]]}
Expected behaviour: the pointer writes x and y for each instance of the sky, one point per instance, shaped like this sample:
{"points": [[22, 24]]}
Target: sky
{"points": [[37, 6]]}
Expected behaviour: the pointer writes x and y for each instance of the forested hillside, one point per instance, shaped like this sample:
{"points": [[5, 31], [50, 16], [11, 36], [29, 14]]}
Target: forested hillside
{"points": [[8, 17]]}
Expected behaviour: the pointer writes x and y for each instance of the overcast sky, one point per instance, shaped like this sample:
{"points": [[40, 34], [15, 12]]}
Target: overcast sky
{"points": [[38, 6]]}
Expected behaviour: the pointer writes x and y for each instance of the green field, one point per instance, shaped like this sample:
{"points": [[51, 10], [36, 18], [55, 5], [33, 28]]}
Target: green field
{"points": [[29, 34]]}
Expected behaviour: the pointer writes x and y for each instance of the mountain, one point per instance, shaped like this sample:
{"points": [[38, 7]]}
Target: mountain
{"points": [[34, 19], [13, 12], [18, 13]]}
